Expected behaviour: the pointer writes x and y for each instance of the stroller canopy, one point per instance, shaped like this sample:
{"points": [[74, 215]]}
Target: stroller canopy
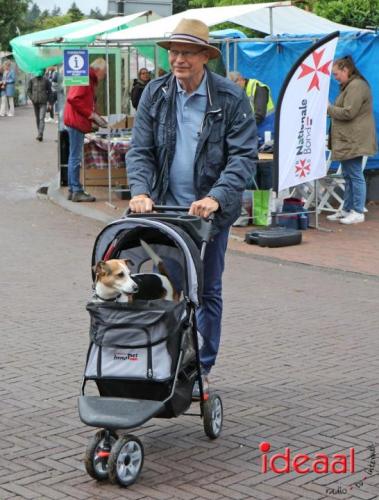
{"points": [[121, 239]]}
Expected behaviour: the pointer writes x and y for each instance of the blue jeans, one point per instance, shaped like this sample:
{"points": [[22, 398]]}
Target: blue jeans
{"points": [[76, 140], [355, 185], [210, 313]]}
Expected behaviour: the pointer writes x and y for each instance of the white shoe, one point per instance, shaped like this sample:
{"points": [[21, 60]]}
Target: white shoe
{"points": [[353, 218], [338, 215], [47, 120]]}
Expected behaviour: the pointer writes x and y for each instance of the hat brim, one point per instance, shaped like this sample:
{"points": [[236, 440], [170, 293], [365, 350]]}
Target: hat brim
{"points": [[213, 52]]}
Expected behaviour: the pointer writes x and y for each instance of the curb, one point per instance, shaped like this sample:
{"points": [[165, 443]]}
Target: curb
{"points": [[54, 194]]}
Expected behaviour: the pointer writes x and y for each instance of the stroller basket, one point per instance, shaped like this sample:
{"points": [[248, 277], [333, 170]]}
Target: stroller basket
{"points": [[137, 341]]}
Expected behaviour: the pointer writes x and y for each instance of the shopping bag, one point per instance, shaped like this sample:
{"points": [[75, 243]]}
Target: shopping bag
{"points": [[262, 201]]}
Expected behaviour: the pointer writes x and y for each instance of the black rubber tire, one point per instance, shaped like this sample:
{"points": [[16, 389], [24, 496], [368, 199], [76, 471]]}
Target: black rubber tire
{"points": [[98, 469], [274, 237], [121, 469], [213, 415]]}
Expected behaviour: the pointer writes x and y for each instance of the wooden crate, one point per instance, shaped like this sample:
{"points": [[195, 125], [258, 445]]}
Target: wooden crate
{"points": [[99, 177]]}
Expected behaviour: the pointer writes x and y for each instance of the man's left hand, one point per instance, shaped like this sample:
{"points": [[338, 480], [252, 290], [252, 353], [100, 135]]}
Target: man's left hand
{"points": [[204, 207]]}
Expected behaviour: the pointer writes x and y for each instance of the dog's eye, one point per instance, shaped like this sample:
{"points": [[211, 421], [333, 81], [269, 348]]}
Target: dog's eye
{"points": [[121, 274]]}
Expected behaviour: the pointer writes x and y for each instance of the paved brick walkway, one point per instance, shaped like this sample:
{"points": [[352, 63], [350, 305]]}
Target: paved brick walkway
{"points": [[298, 365]]}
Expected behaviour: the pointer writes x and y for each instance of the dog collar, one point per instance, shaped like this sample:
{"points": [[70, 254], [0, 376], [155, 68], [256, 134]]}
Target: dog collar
{"points": [[108, 300]]}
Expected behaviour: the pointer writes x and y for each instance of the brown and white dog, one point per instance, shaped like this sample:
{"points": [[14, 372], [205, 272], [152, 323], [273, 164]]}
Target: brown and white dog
{"points": [[114, 280]]}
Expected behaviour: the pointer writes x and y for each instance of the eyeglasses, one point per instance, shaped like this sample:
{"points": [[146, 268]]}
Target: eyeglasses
{"points": [[186, 54]]}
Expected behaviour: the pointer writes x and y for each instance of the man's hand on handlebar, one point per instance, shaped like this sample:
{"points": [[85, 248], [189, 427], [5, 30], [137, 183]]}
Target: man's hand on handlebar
{"points": [[141, 204], [204, 207]]}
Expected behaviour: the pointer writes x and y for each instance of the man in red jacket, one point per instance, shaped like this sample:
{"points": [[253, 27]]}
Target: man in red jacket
{"points": [[79, 115]]}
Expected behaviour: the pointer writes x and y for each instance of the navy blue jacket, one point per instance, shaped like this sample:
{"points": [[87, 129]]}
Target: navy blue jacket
{"points": [[226, 152]]}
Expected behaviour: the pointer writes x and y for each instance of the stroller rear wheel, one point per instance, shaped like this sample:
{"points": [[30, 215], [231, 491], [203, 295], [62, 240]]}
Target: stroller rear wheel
{"points": [[126, 460], [97, 454], [213, 415]]}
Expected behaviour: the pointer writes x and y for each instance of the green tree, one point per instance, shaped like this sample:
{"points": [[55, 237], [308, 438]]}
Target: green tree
{"points": [[357, 13], [12, 20], [56, 11], [179, 6], [96, 14], [33, 13], [75, 13]]}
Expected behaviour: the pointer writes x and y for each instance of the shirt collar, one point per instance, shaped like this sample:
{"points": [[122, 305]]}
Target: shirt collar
{"points": [[201, 89]]}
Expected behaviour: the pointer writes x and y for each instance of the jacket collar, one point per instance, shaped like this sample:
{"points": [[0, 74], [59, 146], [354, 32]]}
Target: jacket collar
{"points": [[170, 86]]}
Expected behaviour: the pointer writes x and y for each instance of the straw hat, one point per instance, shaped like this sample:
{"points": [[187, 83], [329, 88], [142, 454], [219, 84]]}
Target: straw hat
{"points": [[193, 32]]}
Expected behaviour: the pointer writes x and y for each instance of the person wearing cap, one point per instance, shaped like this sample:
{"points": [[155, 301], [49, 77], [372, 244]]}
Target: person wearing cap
{"points": [[194, 144]]}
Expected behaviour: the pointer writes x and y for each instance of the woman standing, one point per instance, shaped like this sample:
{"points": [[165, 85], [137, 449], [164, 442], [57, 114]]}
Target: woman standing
{"points": [[352, 136], [7, 90], [139, 85]]}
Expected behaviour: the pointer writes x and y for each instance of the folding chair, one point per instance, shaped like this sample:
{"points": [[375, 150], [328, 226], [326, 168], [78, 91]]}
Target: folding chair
{"points": [[332, 187]]}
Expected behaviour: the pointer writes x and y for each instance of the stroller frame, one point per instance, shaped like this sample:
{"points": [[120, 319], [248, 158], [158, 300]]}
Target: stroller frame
{"points": [[120, 459]]}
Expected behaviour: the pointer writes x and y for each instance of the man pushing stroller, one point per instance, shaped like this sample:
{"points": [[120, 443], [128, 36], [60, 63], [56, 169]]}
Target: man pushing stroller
{"points": [[195, 144]]}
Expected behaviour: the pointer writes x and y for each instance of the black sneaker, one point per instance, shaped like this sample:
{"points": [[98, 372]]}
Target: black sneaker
{"points": [[69, 195], [82, 196], [39, 138]]}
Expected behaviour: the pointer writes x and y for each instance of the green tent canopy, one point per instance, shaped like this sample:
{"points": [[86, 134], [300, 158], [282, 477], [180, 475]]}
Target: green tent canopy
{"points": [[33, 59]]}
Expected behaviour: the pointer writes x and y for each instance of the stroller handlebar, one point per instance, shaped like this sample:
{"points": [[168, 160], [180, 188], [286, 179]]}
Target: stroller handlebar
{"points": [[199, 227]]}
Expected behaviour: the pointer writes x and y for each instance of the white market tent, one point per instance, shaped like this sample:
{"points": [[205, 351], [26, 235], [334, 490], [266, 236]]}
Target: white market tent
{"points": [[88, 34], [273, 18]]}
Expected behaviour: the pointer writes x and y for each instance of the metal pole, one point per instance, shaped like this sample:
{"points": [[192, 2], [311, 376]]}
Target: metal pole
{"points": [[109, 132], [271, 21], [156, 62], [235, 57], [227, 58]]}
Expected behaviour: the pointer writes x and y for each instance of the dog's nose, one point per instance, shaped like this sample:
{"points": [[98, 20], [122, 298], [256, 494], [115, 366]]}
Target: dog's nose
{"points": [[135, 287]]}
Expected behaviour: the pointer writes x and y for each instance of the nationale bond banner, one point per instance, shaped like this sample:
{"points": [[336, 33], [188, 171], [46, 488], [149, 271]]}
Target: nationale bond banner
{"points": [[300, 128]]}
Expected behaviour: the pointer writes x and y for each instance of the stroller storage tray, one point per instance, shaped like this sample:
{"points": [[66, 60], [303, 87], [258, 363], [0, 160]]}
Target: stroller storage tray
{"points": [[117, 413]]}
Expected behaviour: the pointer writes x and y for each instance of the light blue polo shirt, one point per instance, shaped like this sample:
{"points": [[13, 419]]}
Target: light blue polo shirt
{"points": [[190, 111]]}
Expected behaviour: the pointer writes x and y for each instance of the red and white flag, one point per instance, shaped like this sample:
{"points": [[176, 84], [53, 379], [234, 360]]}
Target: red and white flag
{"points": [[300, 127]]}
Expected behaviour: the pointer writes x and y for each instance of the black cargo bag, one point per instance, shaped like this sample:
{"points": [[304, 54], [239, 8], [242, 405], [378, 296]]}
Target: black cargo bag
{"points": [[137, 341]]}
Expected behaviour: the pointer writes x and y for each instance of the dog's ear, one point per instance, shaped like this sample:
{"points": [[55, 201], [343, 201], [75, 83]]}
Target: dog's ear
{"points": [[101, 268], [129, 261]]}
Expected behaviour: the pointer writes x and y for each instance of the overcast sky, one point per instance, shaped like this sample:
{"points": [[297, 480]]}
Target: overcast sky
{"points": [[84, 5]]}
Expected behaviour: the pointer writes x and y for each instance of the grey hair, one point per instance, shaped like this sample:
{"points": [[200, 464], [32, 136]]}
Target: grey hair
{"points": [[235, 75], [99, 63]]}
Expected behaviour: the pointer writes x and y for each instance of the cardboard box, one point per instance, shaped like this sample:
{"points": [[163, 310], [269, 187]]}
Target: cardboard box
{"points": [[99, 177]]}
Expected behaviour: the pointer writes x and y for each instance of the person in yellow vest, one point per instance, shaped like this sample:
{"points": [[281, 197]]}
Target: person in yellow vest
{"points": [[261, 101]]}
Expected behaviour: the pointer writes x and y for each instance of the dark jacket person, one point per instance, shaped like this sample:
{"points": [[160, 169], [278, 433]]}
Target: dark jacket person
{"points": [[195, 144]]}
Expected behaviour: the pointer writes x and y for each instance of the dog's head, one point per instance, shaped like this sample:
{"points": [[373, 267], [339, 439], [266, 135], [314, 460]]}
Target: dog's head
{"points": [[114, 275]]}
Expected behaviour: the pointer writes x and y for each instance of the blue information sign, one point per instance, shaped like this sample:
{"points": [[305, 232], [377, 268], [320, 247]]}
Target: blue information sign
{"points": [[75, 67]]}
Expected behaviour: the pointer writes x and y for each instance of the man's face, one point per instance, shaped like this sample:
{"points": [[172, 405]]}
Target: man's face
{"points": [[144, 75], [187, 60]]}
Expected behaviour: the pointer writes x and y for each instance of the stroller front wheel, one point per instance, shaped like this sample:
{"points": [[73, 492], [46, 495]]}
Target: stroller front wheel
{"points": [[213, 415], [97, 453], [125, 461]]}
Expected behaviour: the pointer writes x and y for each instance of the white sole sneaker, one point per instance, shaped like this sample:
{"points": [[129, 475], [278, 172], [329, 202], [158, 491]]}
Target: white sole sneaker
{"points": [[353, 218], [337, 216]]}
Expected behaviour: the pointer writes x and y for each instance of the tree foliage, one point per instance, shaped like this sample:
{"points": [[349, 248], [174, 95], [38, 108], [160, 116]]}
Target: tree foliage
{"points": [[357, 13], [12, 20], [75, 13]]}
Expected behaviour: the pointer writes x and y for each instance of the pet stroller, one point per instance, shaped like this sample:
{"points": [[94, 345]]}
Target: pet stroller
{"points": [[143, 357]]}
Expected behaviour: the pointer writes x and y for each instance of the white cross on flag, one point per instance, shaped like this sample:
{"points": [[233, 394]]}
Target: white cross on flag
{"points": [[301, 116]]}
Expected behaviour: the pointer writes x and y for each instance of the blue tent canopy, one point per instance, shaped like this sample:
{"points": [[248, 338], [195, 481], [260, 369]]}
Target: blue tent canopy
{"points": [[270, 59]]}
